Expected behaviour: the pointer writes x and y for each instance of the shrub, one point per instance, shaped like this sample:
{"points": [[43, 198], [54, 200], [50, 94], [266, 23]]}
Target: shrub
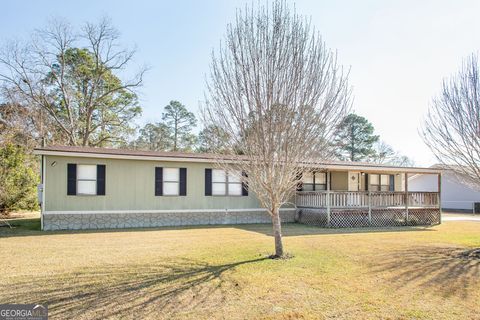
{"points": [[18, 179]]}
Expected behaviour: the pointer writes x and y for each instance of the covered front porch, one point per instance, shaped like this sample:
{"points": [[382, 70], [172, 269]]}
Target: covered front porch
{"points": [[366, 196]]}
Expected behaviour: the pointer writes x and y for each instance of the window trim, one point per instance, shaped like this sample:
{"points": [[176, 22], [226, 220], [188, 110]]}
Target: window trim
{"points": [[170, 181], [78, 180]]}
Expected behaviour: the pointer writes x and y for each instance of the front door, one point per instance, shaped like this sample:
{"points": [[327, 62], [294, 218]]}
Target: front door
{"points": [[353, 180]]}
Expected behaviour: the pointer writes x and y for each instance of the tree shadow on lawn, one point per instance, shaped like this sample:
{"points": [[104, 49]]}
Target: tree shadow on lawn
{"points": [[298, 229], [31, 227], [116, 291], [445, 269]]}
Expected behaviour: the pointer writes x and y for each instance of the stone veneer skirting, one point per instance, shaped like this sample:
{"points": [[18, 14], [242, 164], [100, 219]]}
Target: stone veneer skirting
{"points": [[86, 220]]}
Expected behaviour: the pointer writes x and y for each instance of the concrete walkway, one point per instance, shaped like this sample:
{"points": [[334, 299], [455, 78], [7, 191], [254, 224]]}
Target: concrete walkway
{"points": [[460, 217]]}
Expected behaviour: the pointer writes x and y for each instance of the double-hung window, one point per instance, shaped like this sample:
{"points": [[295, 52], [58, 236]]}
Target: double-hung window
{"points": [[86, 179], [379, 182], [314, 181], [226, 183], [234, 185], [171, 181]]}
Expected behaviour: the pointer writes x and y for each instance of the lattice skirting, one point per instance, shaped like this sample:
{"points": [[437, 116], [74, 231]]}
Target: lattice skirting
{"points": [[381, 217], [422, 217], [388, 217], [314, 217]]}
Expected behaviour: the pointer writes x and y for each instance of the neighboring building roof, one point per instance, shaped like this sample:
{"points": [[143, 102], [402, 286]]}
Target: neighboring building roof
{"points": [[91, 152]]}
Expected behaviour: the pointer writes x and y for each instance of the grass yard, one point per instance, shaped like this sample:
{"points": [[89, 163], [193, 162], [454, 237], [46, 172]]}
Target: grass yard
{"points": [[222, 272]]}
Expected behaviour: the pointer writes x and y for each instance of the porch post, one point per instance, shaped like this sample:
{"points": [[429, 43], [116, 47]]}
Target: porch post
{"points": [[328, 198], [367, 185], [439, 195], [406, 197]]}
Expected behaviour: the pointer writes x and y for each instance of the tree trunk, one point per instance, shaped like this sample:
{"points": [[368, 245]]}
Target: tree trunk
{"points": [[277, 232], [175, 134]]}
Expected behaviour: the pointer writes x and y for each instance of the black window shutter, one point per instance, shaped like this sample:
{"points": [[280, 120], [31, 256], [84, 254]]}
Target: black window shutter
{"points": [[71, 179], [158, 181], [366, 181], [300, 184], [101, 179], [208, 182], [392, 183], [183, 181], [244, 185]]}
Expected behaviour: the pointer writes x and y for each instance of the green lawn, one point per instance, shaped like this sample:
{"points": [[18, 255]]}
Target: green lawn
{"points": [[222, 272]]}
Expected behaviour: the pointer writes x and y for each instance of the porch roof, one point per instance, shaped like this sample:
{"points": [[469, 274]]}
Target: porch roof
{"points": [[110, 153]]}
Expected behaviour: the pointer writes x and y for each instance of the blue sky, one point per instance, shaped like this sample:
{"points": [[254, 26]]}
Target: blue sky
{"points": [[398, 51]]}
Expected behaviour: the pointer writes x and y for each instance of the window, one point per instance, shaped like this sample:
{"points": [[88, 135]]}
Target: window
{"points": [[219, 182], [314, 181], [171, 181], [379, 182], [224, 183], [234, 183], [86, 179]]}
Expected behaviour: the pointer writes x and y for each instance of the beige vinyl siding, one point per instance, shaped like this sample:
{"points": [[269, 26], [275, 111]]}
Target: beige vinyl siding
{"points": [[130, 186], [339, 180]]}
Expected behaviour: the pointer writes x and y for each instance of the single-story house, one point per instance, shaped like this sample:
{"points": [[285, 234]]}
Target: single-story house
{"points": [[456, 194], [96, 188]]}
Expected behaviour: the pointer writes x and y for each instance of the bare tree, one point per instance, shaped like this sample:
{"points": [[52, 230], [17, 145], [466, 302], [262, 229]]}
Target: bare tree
{"points": [[384, 154], [452, 126], [73, 78], [278, 93]]}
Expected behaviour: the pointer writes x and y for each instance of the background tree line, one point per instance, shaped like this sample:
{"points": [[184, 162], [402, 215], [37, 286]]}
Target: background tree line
{"points": [[175, 132]]}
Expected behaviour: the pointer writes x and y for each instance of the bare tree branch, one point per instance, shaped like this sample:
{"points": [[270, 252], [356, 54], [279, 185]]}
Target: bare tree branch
{"points": [[452, 126], [71, 77]]}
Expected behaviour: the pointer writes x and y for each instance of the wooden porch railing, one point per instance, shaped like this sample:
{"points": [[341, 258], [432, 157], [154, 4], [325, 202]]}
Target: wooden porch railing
{"points": [[365, 199]]}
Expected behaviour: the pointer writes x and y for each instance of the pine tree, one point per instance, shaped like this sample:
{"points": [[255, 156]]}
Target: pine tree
{"points": [[180, 122], [354, 139]]}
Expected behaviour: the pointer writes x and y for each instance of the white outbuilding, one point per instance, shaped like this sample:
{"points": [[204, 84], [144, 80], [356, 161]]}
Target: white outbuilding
{"points": [[455, 194]]}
